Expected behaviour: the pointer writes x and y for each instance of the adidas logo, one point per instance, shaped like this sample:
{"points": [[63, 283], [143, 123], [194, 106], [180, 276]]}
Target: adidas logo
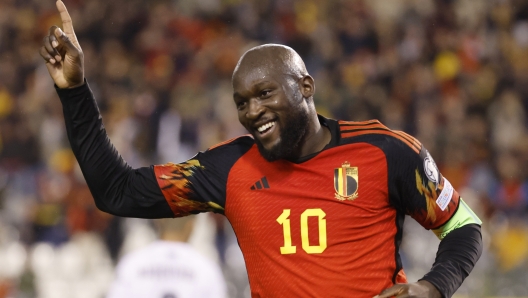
{"points": [[262, 183]]}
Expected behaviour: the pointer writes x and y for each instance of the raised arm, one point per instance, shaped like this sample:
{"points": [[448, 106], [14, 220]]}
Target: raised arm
{"points": [[63, 54], [116, 187]]}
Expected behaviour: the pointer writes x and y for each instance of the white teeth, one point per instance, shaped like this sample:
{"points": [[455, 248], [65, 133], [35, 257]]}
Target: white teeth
{"points": [[265, 126]]}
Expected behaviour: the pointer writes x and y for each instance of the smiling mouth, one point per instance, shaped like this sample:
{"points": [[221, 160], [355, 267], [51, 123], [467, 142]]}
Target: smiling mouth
{"points": [[266, 127]]}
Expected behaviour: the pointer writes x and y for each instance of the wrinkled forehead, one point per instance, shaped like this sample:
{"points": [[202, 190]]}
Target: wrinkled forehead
{"points": [[267, 62], [253, 74]]}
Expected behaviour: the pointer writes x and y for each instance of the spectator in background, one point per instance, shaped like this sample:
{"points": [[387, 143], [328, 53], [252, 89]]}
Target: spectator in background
{"points": [[168, 268]]}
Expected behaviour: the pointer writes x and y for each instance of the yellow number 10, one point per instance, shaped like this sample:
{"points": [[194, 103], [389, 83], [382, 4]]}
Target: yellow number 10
{"points": [[288, 248]]}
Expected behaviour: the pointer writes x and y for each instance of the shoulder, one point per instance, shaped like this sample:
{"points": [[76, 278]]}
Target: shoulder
{"points": [[134, 260], [373, 131], [164, 252], [161, 255], [154, 248], [245, 141], [187, 256], [226, 153]]}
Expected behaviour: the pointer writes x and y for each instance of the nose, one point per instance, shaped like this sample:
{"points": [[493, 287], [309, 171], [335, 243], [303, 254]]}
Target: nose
{"points": [[255, 109]]}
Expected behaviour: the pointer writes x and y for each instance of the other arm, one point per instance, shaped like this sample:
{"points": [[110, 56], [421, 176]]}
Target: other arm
{"points": [[419, 190]]}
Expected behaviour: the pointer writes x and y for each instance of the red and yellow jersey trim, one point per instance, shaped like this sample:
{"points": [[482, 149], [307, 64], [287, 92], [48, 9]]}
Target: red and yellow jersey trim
{"points": [[229, 141], [349, 129]]}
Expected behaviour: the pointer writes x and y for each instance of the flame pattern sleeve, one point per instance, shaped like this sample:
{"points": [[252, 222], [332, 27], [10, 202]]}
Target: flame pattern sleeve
{"points": [[175, 181], [420, 190], [199, 184], [432, 216]]}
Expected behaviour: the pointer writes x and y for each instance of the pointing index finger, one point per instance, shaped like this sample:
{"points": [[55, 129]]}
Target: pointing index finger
{"points": [[67, 24]]}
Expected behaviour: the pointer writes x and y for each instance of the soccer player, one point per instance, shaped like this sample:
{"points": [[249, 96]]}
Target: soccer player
{"points": [[168, 267], [317, 204]]}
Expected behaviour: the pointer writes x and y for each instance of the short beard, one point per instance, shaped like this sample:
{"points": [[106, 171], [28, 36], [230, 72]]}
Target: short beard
{"points": [[291, 137]]}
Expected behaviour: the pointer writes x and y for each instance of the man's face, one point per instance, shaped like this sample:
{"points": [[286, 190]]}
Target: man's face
{"points": [[271, 107]]}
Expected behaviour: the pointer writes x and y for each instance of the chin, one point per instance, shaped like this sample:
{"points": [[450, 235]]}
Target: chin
{"points": [[270, 155], [288, 144], [280, 150], [272, 146]]}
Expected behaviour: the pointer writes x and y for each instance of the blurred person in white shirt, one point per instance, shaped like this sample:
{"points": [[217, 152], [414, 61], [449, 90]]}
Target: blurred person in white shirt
{"points": [[168, 268]]}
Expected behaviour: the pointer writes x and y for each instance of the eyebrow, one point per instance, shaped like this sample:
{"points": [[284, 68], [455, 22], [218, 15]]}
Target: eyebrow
{"points": [[262, 83], [236, 95], [259, 85]]}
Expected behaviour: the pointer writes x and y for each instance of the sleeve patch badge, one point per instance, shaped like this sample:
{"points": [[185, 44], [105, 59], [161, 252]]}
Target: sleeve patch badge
{"points": [[445, 196], [431, 170]]}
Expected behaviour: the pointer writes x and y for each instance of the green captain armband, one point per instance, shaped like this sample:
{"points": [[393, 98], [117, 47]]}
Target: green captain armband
{"points": [[463, 216]]}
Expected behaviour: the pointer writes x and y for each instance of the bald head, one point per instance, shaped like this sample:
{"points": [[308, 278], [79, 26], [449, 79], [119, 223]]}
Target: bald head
{"points": [[267, 57], [273, 94]]}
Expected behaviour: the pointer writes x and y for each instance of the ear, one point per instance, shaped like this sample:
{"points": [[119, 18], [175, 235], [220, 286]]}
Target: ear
{"points": [[307, 86]]}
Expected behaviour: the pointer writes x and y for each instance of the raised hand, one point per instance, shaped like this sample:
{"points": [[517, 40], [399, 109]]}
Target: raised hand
{"points": [[62, 53], [421, 289]]}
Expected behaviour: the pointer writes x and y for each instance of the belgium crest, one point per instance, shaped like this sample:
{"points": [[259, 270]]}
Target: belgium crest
{"points": [[346, 182]]}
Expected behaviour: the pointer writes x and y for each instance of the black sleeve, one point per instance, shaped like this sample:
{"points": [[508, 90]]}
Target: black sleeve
{"points": [[115, 186], [457, 254], [200, 183], [418, 189]]}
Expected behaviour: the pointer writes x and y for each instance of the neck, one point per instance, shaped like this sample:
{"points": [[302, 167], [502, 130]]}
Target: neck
{"points": [[317, 137], [175, 237]]}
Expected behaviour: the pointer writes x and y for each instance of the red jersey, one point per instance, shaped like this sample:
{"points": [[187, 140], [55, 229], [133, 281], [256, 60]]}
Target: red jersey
{"points": [[329, 225]]}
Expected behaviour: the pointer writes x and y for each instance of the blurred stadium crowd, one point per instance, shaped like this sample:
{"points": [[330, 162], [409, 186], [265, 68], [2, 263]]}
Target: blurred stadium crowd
{"points": [[453, 73]]}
